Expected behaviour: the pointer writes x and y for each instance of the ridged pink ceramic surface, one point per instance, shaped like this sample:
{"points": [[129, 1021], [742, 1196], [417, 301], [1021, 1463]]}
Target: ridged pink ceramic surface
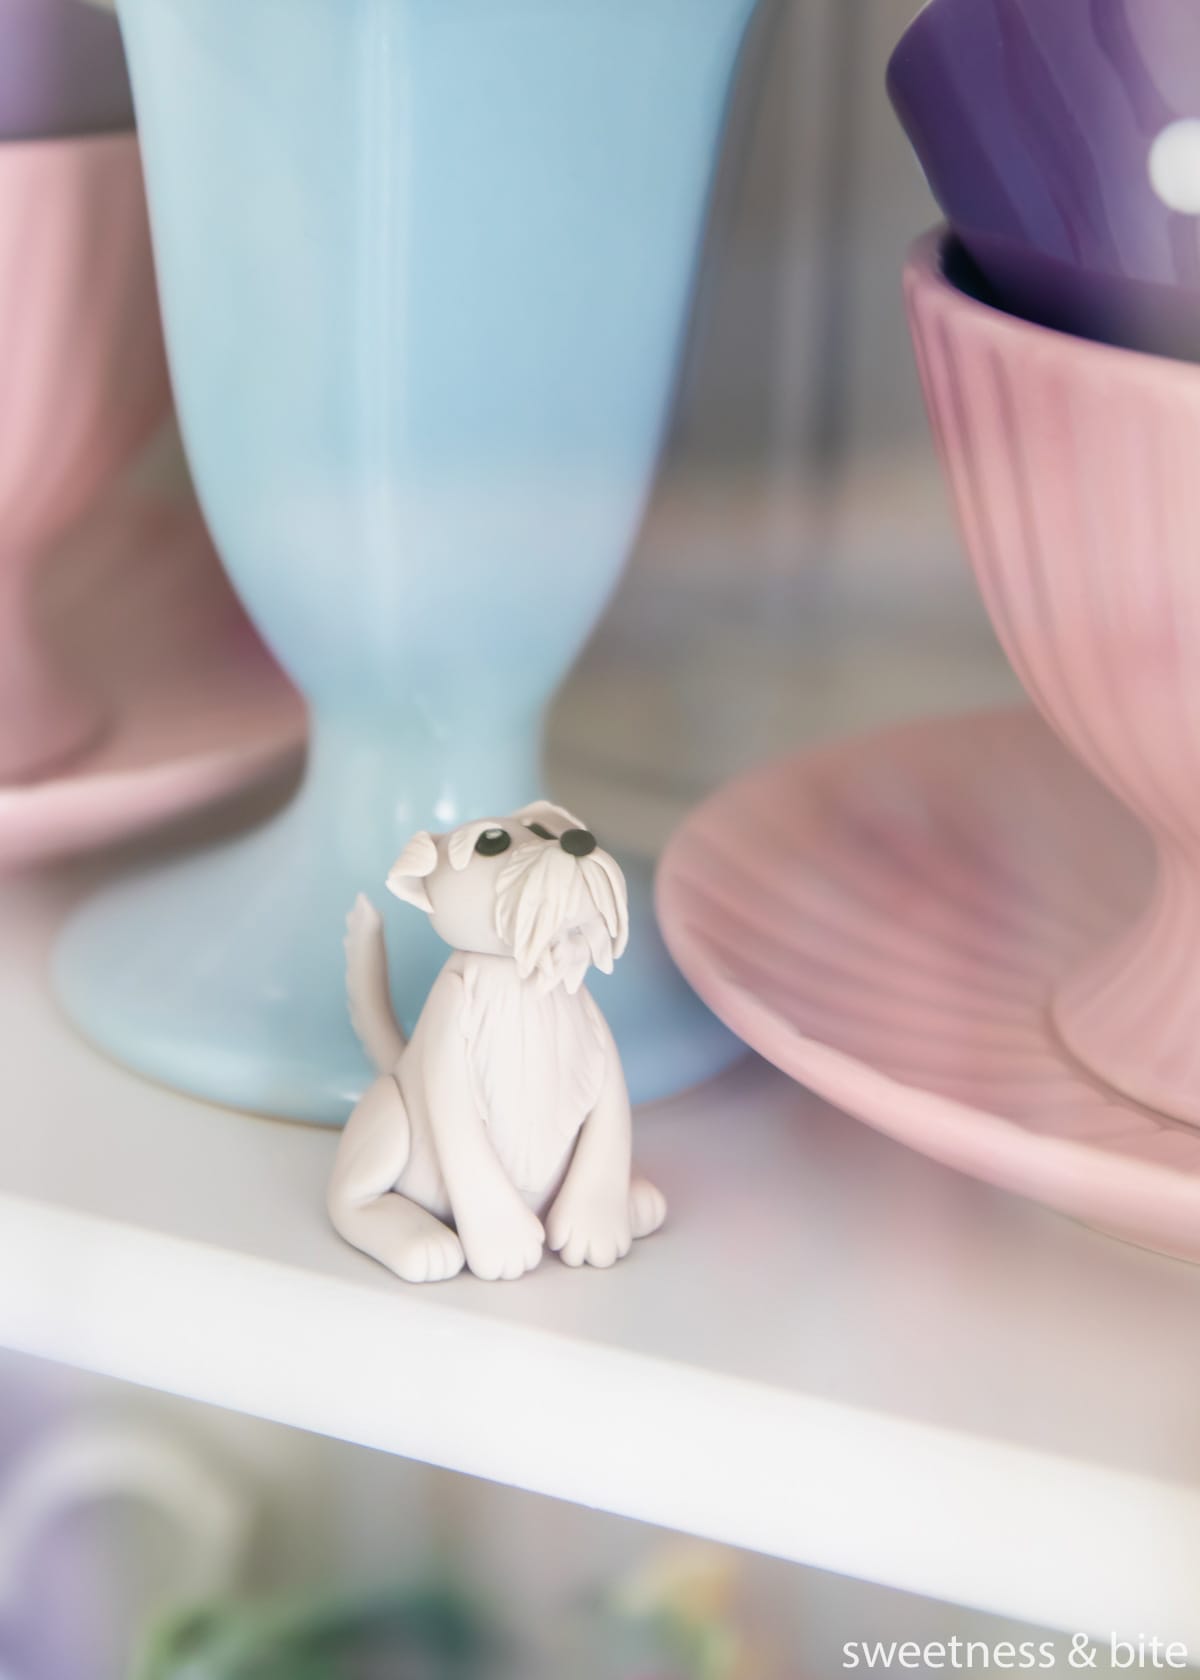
{"points": [[136, 603], [1076, 473], [83, 383], [886, 921]]}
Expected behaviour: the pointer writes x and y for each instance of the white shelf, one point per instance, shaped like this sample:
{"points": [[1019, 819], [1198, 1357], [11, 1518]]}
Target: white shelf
{"points": [[838, 1353]]}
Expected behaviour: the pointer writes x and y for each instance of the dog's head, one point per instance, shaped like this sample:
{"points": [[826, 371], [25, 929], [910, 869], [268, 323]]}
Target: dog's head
{"points": [[535, 887]]}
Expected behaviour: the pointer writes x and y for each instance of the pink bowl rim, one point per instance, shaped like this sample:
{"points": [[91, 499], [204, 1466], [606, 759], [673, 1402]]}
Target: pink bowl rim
{"points": [[25, 150], [925, 272]]}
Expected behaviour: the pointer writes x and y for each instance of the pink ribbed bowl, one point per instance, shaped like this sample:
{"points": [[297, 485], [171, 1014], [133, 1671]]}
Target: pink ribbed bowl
{"points": [[83, 383], [1076, 473]]}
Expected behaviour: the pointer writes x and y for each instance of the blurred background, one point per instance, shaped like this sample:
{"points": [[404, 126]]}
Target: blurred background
{"points": [[800, 566], [344, 1564]]}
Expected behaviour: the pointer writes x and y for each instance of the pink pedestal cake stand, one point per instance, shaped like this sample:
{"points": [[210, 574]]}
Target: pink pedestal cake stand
{"points": [[886, 922], [1073, 469], [135, 605]]}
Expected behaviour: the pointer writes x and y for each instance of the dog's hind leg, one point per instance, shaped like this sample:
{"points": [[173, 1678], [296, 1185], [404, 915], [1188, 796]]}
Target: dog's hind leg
{"points": [[647, 1208], [363, 1202]]}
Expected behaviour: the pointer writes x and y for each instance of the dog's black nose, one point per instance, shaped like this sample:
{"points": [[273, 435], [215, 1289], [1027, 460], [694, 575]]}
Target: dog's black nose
{"points": [[578, 842]]}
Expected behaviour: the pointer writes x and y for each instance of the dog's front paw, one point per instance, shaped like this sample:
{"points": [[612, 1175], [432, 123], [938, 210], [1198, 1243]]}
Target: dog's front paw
{"points": [[433, 1255], [504, 1242], [590, 1228]]}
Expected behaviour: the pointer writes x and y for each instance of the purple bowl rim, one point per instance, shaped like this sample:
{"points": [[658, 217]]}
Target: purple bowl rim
{"points": [[926, 259]]}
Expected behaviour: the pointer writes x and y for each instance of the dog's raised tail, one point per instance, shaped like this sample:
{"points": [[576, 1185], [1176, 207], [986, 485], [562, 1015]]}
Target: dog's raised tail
{"points": [[368, 993]]}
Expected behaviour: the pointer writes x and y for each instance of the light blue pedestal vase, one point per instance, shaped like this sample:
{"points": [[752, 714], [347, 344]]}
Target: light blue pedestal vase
{"points": [[426, 269]]}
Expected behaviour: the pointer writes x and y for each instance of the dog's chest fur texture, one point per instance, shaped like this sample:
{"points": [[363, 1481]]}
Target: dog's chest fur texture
{"points": [[536, 1063]]}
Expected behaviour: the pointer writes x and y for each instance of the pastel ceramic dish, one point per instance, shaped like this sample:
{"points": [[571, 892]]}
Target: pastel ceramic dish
{"points": [[435, 1629], [426, 272], [885, 921], [83, 386], [135, 603], [1073, 466], [62, 71], [91, 1465], [1062, 140]]}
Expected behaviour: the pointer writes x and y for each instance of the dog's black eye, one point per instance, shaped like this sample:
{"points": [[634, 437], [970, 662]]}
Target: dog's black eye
{"points": [[542, 832], [493, 841]]}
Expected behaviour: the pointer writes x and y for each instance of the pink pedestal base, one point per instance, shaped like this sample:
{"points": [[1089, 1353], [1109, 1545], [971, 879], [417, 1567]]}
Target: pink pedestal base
{"points": [[83, 387], [45, 722], [1132, 1015], [887, 920], [194, 709]]}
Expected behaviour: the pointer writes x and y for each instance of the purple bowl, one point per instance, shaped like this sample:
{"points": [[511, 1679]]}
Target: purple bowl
{"points": [[62, 71], [1061, 140]]}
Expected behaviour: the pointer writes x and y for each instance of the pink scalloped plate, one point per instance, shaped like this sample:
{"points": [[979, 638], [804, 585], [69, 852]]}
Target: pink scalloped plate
{"points": [[137, 609], [885, 920]]}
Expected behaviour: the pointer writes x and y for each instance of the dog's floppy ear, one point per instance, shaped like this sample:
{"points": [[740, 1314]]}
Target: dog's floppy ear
{"points": [[544, 812], [418, 860]]}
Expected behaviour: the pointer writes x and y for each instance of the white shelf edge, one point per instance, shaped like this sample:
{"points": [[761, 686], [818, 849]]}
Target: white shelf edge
{"points": [[999, 1528]]}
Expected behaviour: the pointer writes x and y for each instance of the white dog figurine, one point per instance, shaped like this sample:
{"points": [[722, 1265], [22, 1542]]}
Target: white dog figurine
{"points": [[508, 1108]]}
